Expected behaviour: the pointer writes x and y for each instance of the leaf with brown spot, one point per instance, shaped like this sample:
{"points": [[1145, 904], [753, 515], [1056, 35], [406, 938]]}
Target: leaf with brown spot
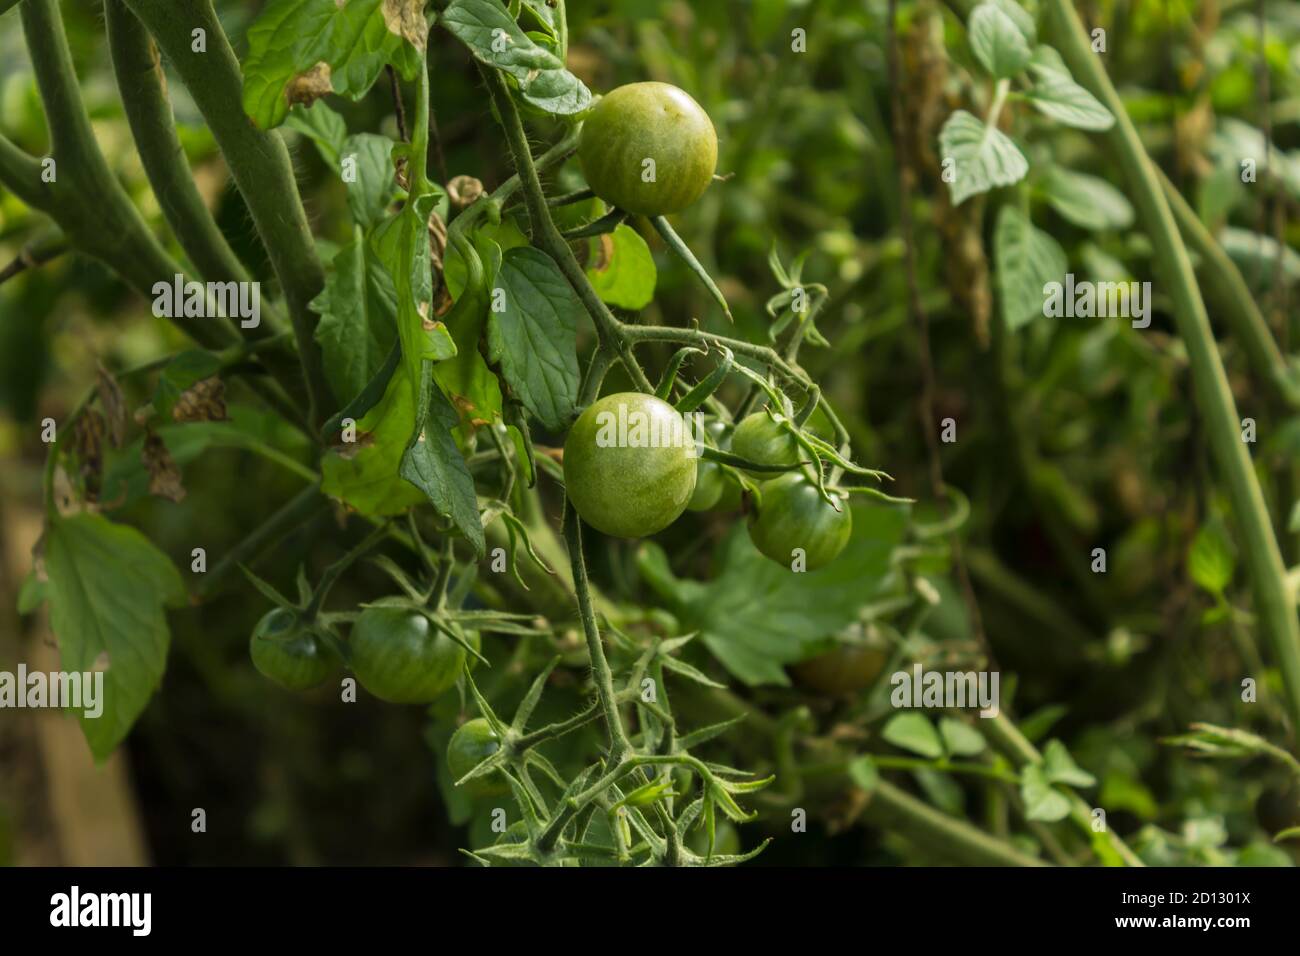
{"points": [[406, 19], [204, 401], [164, 475], [307, 87]]}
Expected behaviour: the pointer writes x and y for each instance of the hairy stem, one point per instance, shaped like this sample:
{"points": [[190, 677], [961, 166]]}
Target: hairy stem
{"points": [[259, 162], [601, 673]]}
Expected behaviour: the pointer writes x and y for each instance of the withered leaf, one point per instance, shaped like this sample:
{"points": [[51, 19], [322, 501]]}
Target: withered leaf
{"points": [[164, 475], [204, 401], [113, 404], [306, 88]]}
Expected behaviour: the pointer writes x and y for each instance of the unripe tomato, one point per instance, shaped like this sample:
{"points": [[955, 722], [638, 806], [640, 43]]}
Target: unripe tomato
{"points": [[845, 670], [472, 743], [629, 464], [759, 439], [643, 122], [710, 483], [793, 514], [400, 657], [287, 653]]}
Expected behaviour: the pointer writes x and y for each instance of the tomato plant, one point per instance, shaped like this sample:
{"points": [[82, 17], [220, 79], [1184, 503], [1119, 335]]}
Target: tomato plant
{"points": [[657, 399]]}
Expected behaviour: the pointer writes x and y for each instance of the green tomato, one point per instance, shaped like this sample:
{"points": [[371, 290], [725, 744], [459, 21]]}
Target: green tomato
{"points": [[643, 122], [710, 483], [843, 671], [629, 465], [761, 440], [793, 514], [400, 657], [287, 653], [711, 479], [472, 743]]}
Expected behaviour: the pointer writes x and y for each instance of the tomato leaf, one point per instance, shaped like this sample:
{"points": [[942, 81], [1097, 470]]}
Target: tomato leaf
{"points": [[534, 336], [107, 589], [495, 39], [299, 50], [365, 162], [983, 157], [358, 310], [364, 474], [435, 465], [623, 271], [401, 244], [756, 616]]}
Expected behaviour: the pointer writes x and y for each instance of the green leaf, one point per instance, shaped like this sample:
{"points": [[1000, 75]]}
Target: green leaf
{"points": [[435, 465], [1059, 767], [1087, 201], [755, 615], [401, 245], [534, 335], [364, 474], [322, 126], [181, 373], [299, 50], [32, 594], [913, 731], [982, 157], [1042, 800], [960, 739], [1257, 255], [1293, 523], [1210, 560], [358, 310], [1027, 260], [997, 42], [864, 773], [624, 271], [1056, 95], [466, 378], [494, 38], [368, 173], [107, 589], [1022, 18]]}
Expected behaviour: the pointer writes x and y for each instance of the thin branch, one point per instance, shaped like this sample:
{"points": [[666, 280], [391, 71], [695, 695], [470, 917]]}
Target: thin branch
{"points": [[34, 255]]}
